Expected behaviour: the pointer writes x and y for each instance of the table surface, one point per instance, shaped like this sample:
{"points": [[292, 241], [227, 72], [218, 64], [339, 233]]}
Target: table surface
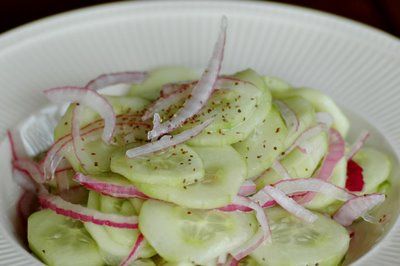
{"points": [[383, 14]]}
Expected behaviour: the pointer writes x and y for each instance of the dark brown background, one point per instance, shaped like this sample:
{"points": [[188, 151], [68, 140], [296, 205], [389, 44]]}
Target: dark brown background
{"points": [[383, 14]]}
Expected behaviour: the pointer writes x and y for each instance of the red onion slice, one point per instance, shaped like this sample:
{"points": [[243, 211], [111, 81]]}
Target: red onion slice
{"points": [[88, 98], [290, 205], [201, 91], [290, 117], [167, 141], [78, 212], [179, 91], [280, 170], [357, 207], [110, 79], [262, 234], [164, 102], [134, 254], [31, 168], [23, 180], [91, 132], [296, 186], [110, 189], [335, 153], [247, 188], [358, 144], [231, 262]]}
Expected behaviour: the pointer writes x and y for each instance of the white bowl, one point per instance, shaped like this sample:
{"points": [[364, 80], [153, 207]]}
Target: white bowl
{"points": [[357, 65]]}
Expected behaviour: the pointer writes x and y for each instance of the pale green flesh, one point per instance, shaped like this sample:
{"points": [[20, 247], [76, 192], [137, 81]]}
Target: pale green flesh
{"points": [[225, 171], [296, 243], [120, 104], [176, 166], [61, 241], [322, 103], [297, 163], [376, 168], [264, 144], [151, 87], [181, 234], [114, 243]]}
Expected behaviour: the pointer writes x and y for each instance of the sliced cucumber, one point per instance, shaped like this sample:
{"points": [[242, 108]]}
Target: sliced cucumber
{"points": [[298, 164], [384, 187], [176, 166], [225, 171], [376, 168], [276, 85], [97, 154], [320, 201], [322, 103], [235, 113], [248, 261], [151, 87], [181, 234], [296, 243], [61, 241], [252, 76], [114, 243], [305, 114], [264, 144], [120, 104]]}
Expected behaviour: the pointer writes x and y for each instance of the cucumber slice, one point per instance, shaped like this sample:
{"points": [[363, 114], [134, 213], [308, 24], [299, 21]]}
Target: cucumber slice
{"points": [[151, 87], [376, 168], [264, 144], [61, 241], [252, 76], [322, 103], [114, 243], [181, 234], [248, 261], [120, 104], [276, 85], [143, 262], [225, 171], [305, 114], [98, 154], [176, 166], [298, 164], [384, 187], [320, 201], [238, 132], [296, 243]]}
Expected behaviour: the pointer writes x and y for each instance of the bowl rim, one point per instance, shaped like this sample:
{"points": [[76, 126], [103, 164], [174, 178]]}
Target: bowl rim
{"points": [[49, 25]]}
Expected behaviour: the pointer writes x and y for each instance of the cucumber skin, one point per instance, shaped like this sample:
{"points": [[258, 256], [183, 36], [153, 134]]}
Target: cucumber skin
{"points": [[79, 253]]}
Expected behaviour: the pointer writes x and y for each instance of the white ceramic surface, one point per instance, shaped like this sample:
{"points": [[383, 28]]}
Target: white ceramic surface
{"points": [[358, 66]]}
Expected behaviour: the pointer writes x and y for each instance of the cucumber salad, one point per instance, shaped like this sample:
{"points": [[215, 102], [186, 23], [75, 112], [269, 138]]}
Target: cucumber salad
{"points": [[197, 169]]}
